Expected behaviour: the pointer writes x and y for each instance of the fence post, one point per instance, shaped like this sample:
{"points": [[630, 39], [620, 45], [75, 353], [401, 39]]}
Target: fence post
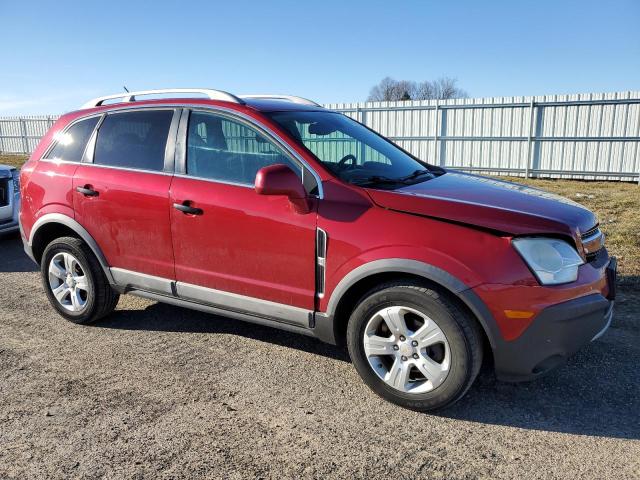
{"points": [[435, 136], [530, 141], [25, 140]]}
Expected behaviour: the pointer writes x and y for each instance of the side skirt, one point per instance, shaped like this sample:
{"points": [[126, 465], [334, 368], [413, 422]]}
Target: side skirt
{"points": [[246, 317], [250, 309]]}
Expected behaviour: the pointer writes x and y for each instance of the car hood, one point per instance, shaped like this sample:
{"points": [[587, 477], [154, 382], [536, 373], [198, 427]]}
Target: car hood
{"points": [[487, 203], [5, 171]]}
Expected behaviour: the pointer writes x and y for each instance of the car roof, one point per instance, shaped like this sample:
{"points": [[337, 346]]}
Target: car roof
{"points": [[6, 171], [275, 105], [258, 105]]}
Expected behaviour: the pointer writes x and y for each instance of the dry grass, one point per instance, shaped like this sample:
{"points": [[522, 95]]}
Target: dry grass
{"points": [[13, 160], [617, 205]]}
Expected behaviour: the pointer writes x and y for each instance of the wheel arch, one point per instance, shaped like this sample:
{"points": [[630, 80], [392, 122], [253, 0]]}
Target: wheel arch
{"points": [[332, 324], [56, 225]]}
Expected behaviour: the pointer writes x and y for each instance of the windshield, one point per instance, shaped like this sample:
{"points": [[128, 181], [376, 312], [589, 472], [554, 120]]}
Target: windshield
{"points": [[351, 151]]}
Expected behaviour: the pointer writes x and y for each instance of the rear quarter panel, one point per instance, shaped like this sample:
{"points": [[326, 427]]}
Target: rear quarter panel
{"points": [[46, 187]]}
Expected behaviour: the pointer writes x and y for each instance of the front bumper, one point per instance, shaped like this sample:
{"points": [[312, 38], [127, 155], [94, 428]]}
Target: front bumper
{"points": [[11, 224], [9, 227], [557, 333]]}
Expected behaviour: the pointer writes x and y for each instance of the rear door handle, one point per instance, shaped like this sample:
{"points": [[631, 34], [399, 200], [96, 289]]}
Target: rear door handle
{"points": [[185, 207], [87, 191]]}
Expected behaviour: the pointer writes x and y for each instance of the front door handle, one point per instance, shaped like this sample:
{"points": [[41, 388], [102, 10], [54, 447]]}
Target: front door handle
{"points": [[185, 207], [87, 191]]}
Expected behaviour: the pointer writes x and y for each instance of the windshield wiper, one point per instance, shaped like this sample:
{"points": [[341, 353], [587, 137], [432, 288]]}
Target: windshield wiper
{"points": [[415, 174], [376, 180], [381, 180]]}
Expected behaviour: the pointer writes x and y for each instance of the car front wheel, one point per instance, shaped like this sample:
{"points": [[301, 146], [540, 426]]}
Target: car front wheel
{"points": [[414, 346]]}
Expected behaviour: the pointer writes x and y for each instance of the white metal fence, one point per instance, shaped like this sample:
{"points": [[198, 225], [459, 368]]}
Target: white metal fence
{"points": [[22, 134], [587, 136]]}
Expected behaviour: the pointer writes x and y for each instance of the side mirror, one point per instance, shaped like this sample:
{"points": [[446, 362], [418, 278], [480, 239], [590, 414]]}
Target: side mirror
{"points": [[279, 179]]}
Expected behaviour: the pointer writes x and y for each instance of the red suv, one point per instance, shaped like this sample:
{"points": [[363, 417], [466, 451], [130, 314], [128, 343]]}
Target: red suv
{"points": [[274, 210]]}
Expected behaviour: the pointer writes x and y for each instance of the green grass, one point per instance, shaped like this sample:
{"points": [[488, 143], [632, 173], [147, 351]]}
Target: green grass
{"points": [[617, 205]]}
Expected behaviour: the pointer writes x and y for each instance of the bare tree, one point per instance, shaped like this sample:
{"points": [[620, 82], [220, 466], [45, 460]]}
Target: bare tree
{"points": [[446, 88], [384, 91], [393, 90], [425, 91], [389, 90]]}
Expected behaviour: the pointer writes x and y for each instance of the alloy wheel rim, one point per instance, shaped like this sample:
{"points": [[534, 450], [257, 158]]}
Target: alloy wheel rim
{"points": [[68, 282], [407, 349]]}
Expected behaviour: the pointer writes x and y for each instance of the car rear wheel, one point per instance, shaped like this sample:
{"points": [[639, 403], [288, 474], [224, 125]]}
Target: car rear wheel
{"points": [[414, 346], [74, 281]]}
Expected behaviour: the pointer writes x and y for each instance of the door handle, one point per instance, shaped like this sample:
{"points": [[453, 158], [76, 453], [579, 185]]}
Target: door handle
{"points": [[87, 191], [184, 207]]}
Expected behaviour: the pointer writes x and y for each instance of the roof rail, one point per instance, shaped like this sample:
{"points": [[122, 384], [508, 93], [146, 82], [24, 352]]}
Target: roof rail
{"points": [[290, 98], [131, 96]]}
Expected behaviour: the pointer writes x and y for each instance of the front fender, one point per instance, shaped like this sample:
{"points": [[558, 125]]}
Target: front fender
{"points": [[325, 321], [395, 265]]}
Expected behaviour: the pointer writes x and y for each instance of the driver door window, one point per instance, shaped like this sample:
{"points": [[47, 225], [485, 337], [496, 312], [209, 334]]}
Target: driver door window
{"points": [[219, 148]]}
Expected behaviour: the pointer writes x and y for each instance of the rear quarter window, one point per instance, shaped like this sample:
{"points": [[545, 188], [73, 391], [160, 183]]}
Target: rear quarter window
{"points": [[70, 144], [133, 139]]}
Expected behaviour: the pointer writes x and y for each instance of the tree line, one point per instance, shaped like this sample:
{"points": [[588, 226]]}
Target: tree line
{"points": [[389, 90]]}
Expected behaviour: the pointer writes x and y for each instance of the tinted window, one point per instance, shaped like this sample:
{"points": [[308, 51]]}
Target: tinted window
{"points": [[222, 149], [70, 144], [133, 139]]}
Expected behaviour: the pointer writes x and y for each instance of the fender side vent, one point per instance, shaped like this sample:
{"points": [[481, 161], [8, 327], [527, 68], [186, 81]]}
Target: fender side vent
{"points": [[321, 261]]}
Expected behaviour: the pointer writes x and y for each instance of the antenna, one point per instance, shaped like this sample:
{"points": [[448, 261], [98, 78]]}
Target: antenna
{"points": [[125, 88]]}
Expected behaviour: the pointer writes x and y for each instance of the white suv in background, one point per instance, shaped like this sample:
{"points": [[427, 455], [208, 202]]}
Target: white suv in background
{"points": [[9, 199]]}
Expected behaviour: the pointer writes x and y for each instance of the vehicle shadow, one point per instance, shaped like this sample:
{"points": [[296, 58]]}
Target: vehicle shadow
{"points": [[163, 317], [596, 393], [12, 256], [571, 401]]}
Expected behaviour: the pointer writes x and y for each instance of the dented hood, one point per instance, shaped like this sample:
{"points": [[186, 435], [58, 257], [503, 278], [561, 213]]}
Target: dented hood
{"points": [[487, 203]]}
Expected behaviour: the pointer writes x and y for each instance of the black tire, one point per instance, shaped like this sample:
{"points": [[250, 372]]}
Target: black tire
{"points": [[101, 298], [461, 330]]}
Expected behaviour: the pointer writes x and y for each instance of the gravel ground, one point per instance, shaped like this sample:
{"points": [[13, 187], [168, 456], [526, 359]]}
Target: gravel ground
{"points": [[156, 391]]}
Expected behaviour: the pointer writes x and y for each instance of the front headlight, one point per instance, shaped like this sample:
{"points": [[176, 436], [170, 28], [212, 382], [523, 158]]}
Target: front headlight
{"points": [[553, 261]]}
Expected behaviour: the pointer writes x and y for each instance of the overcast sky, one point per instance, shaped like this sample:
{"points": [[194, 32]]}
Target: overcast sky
{"points": [[56, 55]]}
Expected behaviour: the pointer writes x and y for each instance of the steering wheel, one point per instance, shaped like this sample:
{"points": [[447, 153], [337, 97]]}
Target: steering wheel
{"points": [[342, 164]]}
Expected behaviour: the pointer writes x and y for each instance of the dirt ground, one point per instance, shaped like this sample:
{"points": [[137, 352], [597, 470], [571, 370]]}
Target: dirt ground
{"points": [[156, 391]]}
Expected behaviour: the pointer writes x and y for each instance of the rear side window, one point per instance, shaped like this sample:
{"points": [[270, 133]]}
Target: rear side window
{"points": [[70, 145], [133, 139]]}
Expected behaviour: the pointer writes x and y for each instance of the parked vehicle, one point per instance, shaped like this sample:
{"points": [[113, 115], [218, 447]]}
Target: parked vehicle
{"points": [[9, 199], [274, 210]]}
